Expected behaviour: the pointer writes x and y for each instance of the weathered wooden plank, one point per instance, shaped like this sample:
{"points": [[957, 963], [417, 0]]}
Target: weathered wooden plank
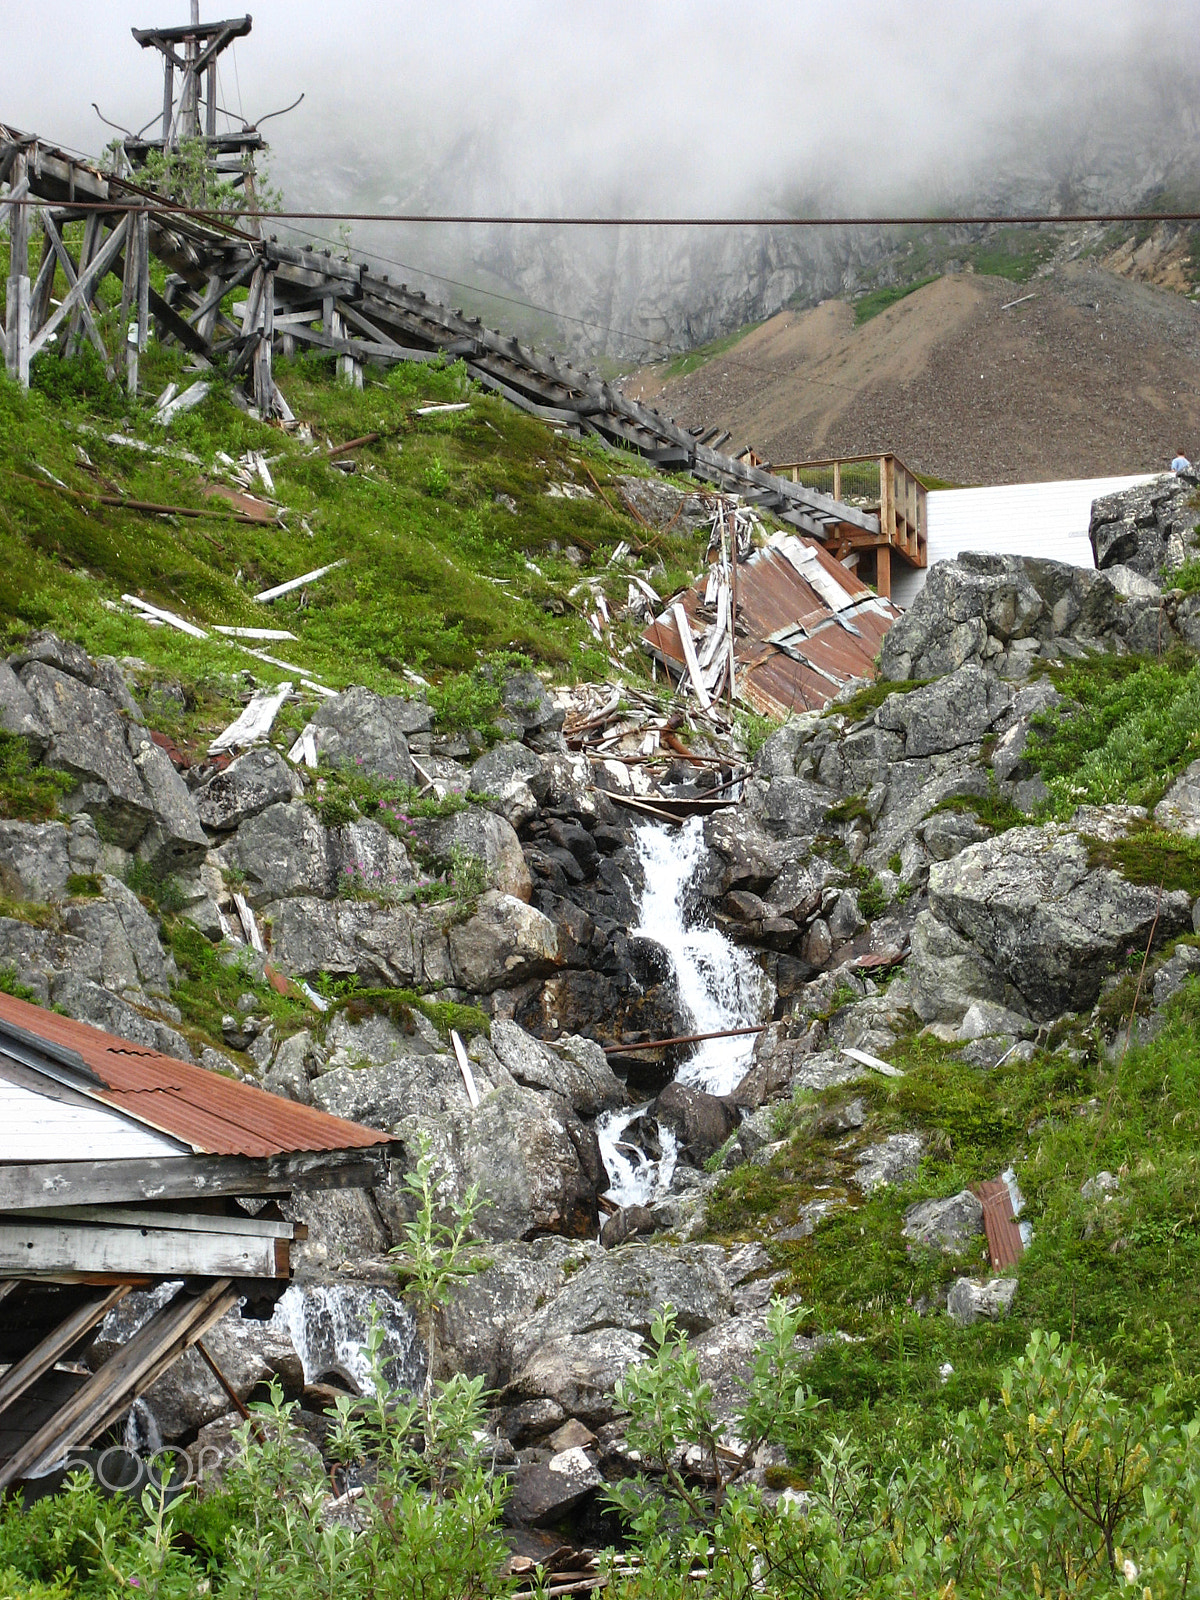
{"points": [[28, 1186], [188, 1221], [37, 1248], [296, 583], [25, 1372], [689, 655], [255, 721]]}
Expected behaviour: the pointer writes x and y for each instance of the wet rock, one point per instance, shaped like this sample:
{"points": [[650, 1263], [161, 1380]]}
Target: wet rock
{"points": [[362, 729], [627, 1223], [969, 1300], [951, 1225], [259, 779], [1035, 910], [701, 1122]]}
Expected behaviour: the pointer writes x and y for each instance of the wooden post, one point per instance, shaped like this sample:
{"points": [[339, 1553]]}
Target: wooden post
{"points": [[733, 606], [837, 480], [93, 229], [883, 571], [264, 383], [16, 309], [142, 240], [168, 102]]}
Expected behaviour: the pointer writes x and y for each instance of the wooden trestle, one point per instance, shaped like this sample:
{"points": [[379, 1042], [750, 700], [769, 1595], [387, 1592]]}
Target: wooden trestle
{"points": [[298, 297]]}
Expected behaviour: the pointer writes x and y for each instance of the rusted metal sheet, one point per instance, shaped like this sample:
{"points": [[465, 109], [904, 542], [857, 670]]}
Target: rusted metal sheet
{"points": [[1005, 1244], [802, 634], [214, 1115]]}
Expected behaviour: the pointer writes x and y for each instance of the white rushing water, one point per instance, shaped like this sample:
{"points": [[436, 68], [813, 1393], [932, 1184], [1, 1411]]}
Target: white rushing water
{"points": [[720, 986]]}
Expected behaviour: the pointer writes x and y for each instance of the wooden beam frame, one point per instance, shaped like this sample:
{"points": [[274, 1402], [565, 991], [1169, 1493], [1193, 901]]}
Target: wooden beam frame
{"points": [[23, 1374], [37, 1247], [128, 1372]]}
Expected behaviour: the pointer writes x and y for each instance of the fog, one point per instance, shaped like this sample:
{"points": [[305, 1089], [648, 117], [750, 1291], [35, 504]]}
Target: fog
{"points": [[655, 108]]}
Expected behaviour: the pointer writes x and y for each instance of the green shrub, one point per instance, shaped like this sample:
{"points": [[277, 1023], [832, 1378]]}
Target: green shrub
{"points": [[28, 793]]}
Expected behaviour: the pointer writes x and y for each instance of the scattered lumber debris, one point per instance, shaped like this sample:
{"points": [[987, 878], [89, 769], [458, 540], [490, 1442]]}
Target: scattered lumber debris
{"points": [[254, 723], [297, 583], [102, 1144], [156, 614]]}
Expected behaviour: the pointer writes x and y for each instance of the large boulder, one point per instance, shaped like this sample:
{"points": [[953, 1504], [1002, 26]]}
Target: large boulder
{"points": [[956, 710], [1148, 529], [360, 728], [87, 740], [701, 1122], [476, 834], [1038, 912], [505, 943], [504, 765], [952, 1225], [573, 1067], [946, 974], [34, 860], [18, 714], [527, 711], [259, 779], [475, 1326], [123, 934], [283, 851], [175, 840]]}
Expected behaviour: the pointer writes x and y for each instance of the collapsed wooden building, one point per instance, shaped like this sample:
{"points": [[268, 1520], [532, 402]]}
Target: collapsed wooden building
{"points": [[122, 1168]]}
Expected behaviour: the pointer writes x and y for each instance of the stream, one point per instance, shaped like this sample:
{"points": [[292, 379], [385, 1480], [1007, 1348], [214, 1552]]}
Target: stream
{"points": [[720, 985]]}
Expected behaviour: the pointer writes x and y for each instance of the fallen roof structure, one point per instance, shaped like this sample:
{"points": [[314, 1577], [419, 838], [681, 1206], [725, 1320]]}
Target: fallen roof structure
{"points": [[122, 1168], [802, 625]]}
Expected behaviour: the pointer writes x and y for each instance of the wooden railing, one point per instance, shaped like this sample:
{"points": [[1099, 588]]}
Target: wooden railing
{"points": [[898, 497]]}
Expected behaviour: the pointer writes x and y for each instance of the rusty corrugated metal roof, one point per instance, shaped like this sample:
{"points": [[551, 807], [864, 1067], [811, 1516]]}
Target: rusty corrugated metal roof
{"points": [[214, 1115], [1005, 1244], [801, 643]]}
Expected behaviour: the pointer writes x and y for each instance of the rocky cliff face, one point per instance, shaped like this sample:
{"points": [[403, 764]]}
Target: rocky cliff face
{"points": [[884, 866]]}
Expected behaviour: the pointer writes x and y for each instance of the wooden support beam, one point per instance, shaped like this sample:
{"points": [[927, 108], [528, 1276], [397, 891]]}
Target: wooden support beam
{"points": [[264, 383], [88, 277], [128, 1372], [40, 1248], [84, 310], [17, 352], [54, 1347]]}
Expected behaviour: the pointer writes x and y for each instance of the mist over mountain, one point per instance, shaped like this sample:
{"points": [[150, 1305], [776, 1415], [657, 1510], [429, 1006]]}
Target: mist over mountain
{"points": [[537, 108]]}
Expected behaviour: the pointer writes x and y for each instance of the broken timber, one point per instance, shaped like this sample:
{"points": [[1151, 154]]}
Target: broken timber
{"points": [[359, 316]]}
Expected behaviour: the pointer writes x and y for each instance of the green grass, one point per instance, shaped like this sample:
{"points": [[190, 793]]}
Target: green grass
{"points": [[28, 793], [439, 577], [880, 299], [991, 809], [1120, 1277], [871, 697], [1130, 726], [1151, 855]]}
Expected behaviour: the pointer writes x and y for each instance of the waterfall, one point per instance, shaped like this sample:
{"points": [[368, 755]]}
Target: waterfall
{"points": [[720, 987], [328, 1325]]}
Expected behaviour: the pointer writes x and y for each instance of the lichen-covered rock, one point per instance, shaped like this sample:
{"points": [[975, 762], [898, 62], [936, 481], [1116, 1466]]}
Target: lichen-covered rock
{"points": [[528, 712], [283, 851], [1148, 529], [483, 836], [968, 1300], [505, 943], [476, 1325], [34, 862], [1038, 913], [950, 1225], [125, 936], [573, 1067], [87, 740], [505, 764], [1179, 808], [18, 714], [175, 840], [360, 728], [256, 780]]}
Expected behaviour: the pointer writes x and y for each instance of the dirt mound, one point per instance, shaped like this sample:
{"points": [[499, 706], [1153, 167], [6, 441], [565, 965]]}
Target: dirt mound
{"points": [[1089, 374]]}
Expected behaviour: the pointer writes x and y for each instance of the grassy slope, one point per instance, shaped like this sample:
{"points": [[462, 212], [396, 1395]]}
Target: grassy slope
{"points": [[439, 573]]}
